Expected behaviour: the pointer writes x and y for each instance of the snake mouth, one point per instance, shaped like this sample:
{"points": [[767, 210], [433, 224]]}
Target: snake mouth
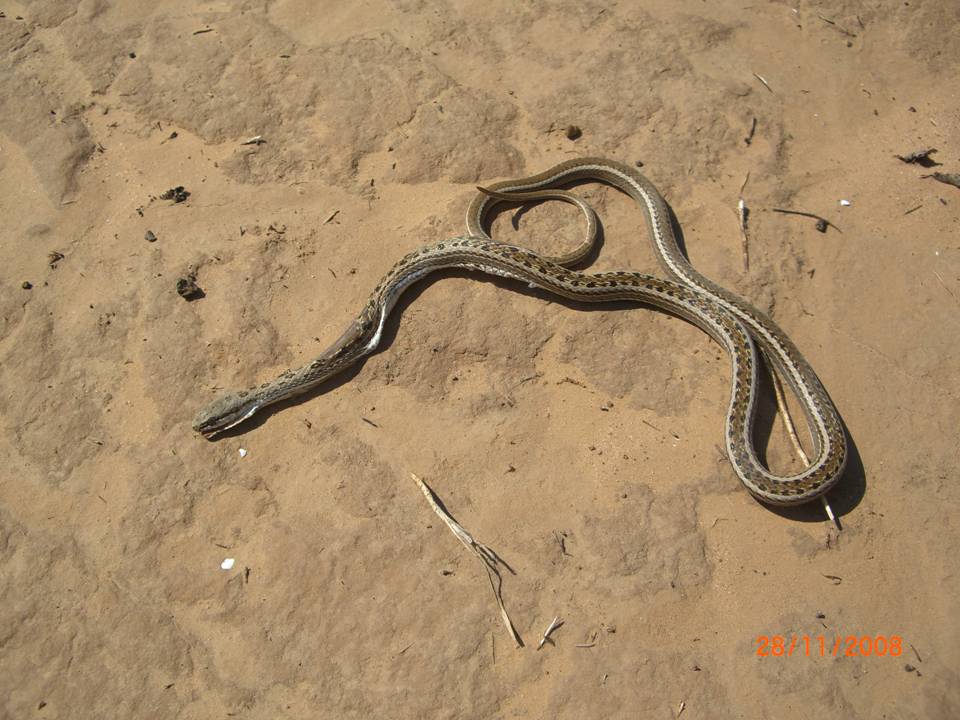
{"points": [[208, 432], [207, 428], [210, 426]]}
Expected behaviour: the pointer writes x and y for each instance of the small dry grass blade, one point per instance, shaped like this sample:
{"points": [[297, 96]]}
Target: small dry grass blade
{"points": [[491, 562]]}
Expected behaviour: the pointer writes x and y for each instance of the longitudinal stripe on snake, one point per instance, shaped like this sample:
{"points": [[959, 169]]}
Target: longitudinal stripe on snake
{"points": [[728, 319]]}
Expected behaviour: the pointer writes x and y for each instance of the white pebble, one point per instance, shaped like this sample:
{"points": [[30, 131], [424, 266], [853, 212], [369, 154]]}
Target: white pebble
{"points": [[243, 453], [227, 564], [845, 203]]}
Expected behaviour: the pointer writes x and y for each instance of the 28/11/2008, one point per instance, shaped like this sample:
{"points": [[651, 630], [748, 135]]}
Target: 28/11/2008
{"points": [[822, 646]]}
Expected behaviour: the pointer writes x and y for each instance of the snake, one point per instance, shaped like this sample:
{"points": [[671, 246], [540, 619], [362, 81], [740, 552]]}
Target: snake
{"points": [[741, 329]]}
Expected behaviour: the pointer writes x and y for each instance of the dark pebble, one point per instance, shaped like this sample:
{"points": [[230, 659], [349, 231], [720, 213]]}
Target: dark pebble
{"points": [[149, 236], [909, 668], [188, 289], [573, 132], [178, 194], [27, 285]]}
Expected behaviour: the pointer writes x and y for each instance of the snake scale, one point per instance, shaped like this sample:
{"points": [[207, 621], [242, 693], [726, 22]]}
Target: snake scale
{"points": [[732, 322]]}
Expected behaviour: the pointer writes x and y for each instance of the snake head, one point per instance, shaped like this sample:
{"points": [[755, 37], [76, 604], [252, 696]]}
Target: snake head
{"points": [[223, 413]]}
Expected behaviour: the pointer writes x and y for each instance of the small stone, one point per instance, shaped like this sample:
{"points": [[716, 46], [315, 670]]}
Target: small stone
{"points": [[27, 285], [132, 55], [178, 194], [909, 668], [573, 132], [820, 616], [149, 236], [188, 289]]}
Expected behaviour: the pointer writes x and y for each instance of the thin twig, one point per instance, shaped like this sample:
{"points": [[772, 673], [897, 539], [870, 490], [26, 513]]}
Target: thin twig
{"points": [[592, 643], [829, 511], [809, 215], [792, 432], [765, 83], [786, 419], [839, 27], [742, 214], [550, 628], [745, 242], [560, 538], [491, 561], [949, 291]]}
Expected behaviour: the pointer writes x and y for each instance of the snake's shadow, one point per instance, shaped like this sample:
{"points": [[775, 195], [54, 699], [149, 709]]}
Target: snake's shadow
{"points": [[846, 495]]}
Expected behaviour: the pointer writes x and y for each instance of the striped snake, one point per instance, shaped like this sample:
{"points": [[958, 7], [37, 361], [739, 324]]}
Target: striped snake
{"points": [[732, 322]]}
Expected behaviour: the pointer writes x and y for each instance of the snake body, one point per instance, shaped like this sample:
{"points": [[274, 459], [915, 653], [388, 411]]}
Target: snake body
{"points": [[728, 319]]}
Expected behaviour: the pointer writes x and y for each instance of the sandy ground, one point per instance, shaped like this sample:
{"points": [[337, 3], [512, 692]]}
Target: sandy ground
{"points": [[534, 421]]}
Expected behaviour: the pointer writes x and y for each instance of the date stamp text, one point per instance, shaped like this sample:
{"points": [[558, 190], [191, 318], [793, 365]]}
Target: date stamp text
{"points": [[829, 646]]}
